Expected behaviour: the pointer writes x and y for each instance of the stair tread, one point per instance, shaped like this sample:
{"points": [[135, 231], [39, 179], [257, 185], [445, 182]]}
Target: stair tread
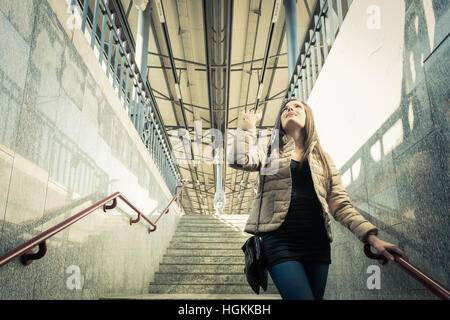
{"points": [[198, 296], [204, 258]]}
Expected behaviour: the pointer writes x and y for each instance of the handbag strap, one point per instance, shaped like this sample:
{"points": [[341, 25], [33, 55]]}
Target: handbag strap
{"points": [[260, 201], [261, 192]]}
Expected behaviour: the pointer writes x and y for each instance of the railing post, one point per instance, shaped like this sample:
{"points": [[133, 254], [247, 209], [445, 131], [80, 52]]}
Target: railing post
{"points": [[324, 37], [308, 73], [312, 52], [133, 102], [103, 34], [122, 67], [339, 12], [305, 95], [110, 45], [126, 103], [94, 24], [300, 82], [318, 43], [84, 18], [116, 57], [330, 11]]}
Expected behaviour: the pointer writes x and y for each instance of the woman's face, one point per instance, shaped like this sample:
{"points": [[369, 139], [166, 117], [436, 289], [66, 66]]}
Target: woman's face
{"points": [[293, 116]]}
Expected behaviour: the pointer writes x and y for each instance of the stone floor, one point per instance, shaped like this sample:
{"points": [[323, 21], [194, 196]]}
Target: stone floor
{"points": [[185, 296]]}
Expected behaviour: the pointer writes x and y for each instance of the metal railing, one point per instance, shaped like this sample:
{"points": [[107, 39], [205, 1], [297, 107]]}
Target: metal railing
{"points": [[315, 50], [431, 284], [109, 34], [25, 251]]}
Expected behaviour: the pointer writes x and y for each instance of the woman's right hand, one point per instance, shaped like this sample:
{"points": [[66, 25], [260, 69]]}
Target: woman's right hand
{"points": [[251, 117]]}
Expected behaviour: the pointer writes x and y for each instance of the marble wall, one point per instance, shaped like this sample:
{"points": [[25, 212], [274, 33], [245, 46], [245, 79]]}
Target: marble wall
{"points": [[382, 108], [66, 143]]}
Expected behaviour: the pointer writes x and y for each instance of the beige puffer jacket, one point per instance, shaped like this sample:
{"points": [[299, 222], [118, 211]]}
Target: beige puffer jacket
{"points": [[278, 186]]}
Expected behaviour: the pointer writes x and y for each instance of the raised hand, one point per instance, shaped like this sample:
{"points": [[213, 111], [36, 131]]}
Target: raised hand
{"points": [[251, 116]]}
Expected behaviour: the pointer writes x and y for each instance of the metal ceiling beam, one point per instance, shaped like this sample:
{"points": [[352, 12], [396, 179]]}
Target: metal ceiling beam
{"points": [[165, 30], [257, 60], [227, 88], [266, 98], [178, 59], [275, 13], [207, 27]]}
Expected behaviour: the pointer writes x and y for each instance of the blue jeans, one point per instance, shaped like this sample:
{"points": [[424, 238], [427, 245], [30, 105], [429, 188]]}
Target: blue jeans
{"points": [[300, 281]]}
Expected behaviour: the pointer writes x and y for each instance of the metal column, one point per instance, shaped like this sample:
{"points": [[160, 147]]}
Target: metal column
{"points": [[290, 8]]}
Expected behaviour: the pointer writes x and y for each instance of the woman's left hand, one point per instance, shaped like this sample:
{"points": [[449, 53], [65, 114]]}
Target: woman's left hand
{"points": [[383, 247]]}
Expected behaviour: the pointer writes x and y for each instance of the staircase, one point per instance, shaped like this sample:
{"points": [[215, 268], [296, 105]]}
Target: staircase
{"points": [[205, 261]]}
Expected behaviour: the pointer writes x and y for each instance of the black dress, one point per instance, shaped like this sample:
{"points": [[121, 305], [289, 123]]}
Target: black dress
{"points": [[302, 236]]}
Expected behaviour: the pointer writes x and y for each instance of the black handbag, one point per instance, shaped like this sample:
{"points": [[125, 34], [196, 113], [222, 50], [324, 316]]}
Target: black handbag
{"points": [[255, 269]]}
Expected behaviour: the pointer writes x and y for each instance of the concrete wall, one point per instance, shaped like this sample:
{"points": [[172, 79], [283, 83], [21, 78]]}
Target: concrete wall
{"points": [[381, 104], [65, 143]]}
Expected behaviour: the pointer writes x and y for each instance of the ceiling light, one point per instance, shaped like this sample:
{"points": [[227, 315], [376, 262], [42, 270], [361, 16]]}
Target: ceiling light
{"points": [[178, 91], [276, 11], [260, 89], [159, 8]]}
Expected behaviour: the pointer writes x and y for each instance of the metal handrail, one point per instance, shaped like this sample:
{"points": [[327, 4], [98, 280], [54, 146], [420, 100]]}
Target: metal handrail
{"points": [[166, 209], [25, 250], [431, 284]]}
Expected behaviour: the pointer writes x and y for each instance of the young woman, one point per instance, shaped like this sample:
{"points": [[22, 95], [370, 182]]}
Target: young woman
{"points": [[298, 198]]}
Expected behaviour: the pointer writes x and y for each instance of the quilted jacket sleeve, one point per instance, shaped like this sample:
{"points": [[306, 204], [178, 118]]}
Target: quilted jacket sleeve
{"points": [[245, 153], [343, 211]]}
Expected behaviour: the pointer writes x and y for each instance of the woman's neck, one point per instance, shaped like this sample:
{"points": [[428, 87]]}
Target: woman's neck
{"points": [[299, 139]]}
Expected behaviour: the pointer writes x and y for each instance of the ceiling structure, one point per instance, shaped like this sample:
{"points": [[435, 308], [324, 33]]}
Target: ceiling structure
{"points": [[206, 64]]}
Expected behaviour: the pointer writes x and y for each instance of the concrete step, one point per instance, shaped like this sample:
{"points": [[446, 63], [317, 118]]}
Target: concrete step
{"points": [[215, 229], [217, 239], [189, 223], [233, 218], [205, 252], [201, 268], [189, 260], [199, 218], [243, 288], [197, 296], [211, 234], [205, 258], [205, 245], [200, 278], [203, 278], [216, 219]]}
